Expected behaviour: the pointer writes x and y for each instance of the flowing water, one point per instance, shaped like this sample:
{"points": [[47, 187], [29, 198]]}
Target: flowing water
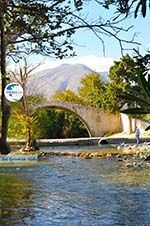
{"points": [[71, 191]]}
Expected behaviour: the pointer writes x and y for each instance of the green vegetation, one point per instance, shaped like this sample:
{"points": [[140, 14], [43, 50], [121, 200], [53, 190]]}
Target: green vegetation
{"points": [[21, 124], [59, 124], [142, 98], [92, 90], [45, 123], [67, 96], [123, 79]]}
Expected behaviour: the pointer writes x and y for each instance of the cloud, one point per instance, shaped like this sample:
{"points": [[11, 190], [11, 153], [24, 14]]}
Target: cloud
{"points": [[94, 62], [97, 63]]}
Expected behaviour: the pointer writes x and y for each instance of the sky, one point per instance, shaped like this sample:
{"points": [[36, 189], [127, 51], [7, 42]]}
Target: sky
{"points": [[89, 48]]}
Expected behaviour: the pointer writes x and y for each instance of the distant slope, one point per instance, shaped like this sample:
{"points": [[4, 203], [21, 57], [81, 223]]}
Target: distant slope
{"points": [[65, 76]]}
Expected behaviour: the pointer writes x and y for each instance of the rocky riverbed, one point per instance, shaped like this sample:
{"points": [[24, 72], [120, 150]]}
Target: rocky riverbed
{"points": [[117, 146], [130, 155]]}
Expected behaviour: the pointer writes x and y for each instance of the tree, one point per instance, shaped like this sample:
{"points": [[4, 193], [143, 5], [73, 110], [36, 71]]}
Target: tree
{"points": [[49, 123], [127, 7], [92, 89], [143, 99], [67, 96], [23, 111], [73, 127], [57, 123], [4, 148], [46, 27], [123, 77], [23, 125], [111, 102]]}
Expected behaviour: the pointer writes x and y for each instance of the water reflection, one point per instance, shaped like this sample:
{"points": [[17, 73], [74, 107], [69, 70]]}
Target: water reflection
{"points": [[15, 197]]}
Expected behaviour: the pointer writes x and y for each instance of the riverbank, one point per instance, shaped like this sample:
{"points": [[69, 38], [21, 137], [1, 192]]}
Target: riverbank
{"points": [[120, 146], [120, 151], [115, 139]]}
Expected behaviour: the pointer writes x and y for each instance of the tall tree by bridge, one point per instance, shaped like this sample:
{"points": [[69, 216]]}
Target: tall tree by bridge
{"points": [[92, 89], [141, 98], [123, 79]]}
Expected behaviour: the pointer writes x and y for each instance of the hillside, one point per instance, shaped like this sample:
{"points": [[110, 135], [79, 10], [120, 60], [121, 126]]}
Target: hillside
{"points": [[65, 76]]}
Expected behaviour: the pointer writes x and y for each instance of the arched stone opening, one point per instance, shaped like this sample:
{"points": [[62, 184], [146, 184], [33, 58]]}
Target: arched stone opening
{"points": [[67, 110]]}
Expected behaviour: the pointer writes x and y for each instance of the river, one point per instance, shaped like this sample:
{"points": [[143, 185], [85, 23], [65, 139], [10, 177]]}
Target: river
{"points": [[72, 191]]}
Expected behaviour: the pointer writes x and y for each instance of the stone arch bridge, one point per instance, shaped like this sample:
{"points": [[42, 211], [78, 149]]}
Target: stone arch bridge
{"points": [[96, 121]]}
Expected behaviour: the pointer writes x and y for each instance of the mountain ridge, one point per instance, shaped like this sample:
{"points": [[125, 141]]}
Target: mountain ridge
{"points": [[63, 77]]}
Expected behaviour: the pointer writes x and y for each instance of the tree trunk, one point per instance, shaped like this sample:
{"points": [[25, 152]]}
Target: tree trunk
{"points": [[28, 137], [4, 148]]}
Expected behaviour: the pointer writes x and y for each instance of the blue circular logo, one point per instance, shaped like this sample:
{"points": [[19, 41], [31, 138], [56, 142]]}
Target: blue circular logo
{"points": [[13, 92]]}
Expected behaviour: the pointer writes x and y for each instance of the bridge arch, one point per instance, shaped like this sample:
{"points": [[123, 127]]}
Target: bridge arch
{"points": [[96, 121], [55, 105]]}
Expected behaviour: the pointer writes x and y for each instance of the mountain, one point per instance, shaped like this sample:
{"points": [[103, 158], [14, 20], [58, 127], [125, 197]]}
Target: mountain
{"points": [[65, 76]]}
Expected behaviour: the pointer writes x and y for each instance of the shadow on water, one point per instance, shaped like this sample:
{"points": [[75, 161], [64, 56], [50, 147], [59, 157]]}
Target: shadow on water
{"points": [[15, 197]]}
